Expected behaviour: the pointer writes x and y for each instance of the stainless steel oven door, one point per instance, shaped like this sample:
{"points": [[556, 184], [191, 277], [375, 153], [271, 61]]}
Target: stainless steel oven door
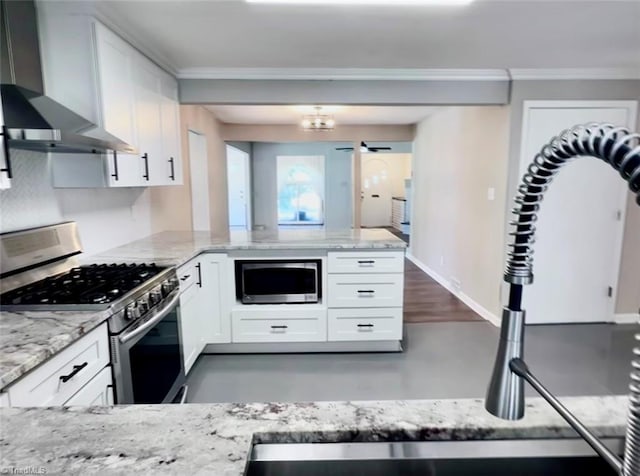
{"points": [[147, 358]]}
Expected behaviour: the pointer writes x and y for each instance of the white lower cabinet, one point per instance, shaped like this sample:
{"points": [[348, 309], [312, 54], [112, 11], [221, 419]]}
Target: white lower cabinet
{"points": [[365, 324], [285, 325], [366, 296], [204, 304], [98, 392], [190, 331], [57, 380], [365, 290]]}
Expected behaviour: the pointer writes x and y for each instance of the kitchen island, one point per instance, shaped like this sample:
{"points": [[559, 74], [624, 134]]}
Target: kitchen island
{"points": [[215, 439]]}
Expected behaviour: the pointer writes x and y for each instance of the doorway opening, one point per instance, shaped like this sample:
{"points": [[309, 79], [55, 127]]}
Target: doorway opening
{"points": [[239, 188], [385, 197]]}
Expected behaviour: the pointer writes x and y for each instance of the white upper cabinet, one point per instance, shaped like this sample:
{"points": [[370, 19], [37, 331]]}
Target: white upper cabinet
{"points": [[114, 70], [94, 72]]}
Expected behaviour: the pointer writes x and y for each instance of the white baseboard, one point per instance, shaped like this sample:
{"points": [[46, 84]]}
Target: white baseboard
{"points": [[626, 318], [445, 283]]}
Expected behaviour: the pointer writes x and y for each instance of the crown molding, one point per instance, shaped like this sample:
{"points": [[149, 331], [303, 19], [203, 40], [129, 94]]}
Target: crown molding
{"points": [[575, 73], [345, 74]]}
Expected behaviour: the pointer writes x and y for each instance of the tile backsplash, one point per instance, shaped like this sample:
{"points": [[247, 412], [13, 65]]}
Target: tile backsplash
{"points": [[105, 217]]}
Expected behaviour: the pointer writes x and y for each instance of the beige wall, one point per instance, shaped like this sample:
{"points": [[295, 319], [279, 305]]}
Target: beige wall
{"points": [[459, 153], [171, 206], [628, 301]]}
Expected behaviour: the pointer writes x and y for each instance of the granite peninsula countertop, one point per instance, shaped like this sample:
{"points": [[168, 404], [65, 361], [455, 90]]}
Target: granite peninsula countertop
{"points": [[215, 439], [28, 339], [177, 247]]}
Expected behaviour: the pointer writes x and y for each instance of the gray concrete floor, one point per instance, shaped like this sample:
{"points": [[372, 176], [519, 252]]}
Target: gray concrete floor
{"points": [[441, 360]]}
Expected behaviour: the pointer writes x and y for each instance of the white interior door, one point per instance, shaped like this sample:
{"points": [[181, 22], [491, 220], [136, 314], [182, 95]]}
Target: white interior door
{"points": [[383, 177], [199, 182], [581, 221], [238, 181]]}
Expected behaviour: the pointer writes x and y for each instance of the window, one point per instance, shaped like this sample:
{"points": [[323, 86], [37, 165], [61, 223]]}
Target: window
{"points": [[300, 190]]}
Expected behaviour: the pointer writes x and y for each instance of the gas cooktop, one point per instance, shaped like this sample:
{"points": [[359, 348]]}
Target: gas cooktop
{"points": [[94, 284]]}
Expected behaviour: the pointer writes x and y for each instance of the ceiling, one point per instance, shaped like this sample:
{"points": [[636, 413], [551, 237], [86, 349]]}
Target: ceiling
{"points": [[487, 34], [344, 115]]}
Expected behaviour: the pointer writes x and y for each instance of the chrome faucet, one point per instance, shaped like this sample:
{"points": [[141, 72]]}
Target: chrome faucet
{"points": [[505, 397]]}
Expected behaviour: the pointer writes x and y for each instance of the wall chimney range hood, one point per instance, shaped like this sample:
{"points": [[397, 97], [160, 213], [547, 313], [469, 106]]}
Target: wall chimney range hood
{"points": [[32, 120]]}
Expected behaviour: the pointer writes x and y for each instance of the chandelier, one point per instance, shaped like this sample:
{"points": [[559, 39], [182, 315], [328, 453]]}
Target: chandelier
{"points": [[318, 121]]}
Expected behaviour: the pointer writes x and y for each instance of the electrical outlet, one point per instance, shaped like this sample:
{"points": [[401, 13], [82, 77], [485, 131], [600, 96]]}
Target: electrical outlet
{"points": [[441, 260], [491, 194], [456, 284]]}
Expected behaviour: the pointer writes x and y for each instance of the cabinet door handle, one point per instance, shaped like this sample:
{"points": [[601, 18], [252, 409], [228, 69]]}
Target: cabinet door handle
{"points": [[7, 157], [76, 369], [199, 267], [172, 175], [367, 261], [364, 327], [115, 166], [366, 291], [145, 157]]}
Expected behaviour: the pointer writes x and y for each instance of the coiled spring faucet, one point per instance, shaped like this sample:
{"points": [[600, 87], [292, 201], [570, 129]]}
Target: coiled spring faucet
{"points": [[620, 148]]}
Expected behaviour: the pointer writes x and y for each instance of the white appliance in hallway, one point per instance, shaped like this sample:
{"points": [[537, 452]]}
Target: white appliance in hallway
{"points": [[383, 177], [581, 220], [199, 182], [239, 187]]}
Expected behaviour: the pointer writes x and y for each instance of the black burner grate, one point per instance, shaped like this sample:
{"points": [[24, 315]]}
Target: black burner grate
{"points": [[92, 284]]}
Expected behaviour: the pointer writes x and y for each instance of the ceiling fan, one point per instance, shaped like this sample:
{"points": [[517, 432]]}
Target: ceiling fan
{"points": [[365, 148]]}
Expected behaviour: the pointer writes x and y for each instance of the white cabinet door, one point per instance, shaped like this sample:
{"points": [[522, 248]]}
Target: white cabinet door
{"points": [[116, 95], [190, 326], [147, 101], [124, 170], [170, 118], [216, 280], [98, 392]]}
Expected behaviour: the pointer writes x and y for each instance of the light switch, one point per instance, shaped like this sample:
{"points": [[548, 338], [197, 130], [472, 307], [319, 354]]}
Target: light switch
{"points": [[491, 194]]}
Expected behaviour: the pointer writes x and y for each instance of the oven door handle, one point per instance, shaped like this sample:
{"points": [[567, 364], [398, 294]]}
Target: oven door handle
{"points": [[124, 338]]}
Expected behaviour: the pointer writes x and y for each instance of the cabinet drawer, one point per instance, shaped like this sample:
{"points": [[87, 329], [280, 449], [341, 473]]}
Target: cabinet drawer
{"points": [[58, 379], [310, 327], [98, 392], [188, 274], [366, 262], [360, 290], [365, 324]]}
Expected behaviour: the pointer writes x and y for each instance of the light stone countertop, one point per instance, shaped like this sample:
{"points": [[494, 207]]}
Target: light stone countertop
{"points": [[215, 439], [28, 339], [178, 247]]}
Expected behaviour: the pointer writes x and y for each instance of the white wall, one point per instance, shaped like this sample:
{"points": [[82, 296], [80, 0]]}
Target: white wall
{"points": [[459, 153], [106, 217]]}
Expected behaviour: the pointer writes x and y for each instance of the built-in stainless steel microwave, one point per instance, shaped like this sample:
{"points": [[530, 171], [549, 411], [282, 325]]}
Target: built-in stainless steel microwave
{"points": [[278, 281]]}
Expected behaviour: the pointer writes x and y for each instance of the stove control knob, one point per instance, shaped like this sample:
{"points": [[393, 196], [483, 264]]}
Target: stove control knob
{"points": [[142, 306], [155, 297], [131, 312], [167, 287]]}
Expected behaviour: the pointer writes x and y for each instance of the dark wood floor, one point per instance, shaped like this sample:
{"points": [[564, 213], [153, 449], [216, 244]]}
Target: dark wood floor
{"points": [[427, 301]]}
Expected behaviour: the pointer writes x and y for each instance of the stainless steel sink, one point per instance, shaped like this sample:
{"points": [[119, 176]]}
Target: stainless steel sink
{"points": [[559, 457]]}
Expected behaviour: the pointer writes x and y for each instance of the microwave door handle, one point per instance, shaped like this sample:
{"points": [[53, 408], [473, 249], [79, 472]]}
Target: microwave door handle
{"points": [[124, 338]]}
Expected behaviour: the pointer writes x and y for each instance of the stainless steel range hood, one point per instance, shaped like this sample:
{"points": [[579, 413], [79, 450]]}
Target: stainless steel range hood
{"points": [[34, 121]]}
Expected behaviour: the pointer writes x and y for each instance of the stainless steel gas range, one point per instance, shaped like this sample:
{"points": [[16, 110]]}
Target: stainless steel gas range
{"points": [[39, 270]]}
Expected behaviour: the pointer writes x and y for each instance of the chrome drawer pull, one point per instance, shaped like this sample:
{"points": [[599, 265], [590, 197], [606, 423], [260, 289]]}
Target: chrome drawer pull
{"points": [[76, 369]]}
